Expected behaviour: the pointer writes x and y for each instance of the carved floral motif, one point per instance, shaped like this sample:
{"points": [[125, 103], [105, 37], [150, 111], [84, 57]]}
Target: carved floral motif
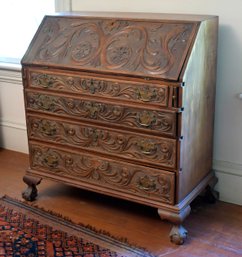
{"points": [[132, 179], [161, 121], [143, 48], [146, 149], [138, 92]]}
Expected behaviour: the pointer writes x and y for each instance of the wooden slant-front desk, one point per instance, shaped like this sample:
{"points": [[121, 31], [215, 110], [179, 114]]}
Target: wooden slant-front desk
{"points": [[123, 104]]}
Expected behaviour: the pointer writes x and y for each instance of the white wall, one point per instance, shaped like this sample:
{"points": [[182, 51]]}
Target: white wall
{"points": [[228, 121], [13, 133]]}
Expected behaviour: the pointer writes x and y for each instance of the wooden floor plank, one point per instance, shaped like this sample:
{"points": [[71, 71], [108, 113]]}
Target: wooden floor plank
{"points": [[214, 230]]}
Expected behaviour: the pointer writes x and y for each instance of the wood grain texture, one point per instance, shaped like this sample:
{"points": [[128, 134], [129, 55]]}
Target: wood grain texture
{"points": [[198, 115]]}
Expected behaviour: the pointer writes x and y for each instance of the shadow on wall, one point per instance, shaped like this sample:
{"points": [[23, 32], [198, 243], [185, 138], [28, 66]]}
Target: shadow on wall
{"points": [[228, 123], [229, 54]]}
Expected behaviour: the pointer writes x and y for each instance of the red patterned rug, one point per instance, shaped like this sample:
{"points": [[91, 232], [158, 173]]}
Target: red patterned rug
{"points": [[29, 231]]}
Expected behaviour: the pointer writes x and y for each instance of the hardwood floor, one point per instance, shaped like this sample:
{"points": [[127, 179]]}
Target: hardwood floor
{"points": [[214, 230]]}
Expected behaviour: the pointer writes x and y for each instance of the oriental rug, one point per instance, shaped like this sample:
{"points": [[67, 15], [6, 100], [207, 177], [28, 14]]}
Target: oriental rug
{"points": [[30, 231]]}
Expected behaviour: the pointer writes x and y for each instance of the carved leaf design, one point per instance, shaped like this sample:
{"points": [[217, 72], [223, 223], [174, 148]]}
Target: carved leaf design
{"points": [[136, 180], [144, 48], [160, 121], [155, 151], [153, 93]]}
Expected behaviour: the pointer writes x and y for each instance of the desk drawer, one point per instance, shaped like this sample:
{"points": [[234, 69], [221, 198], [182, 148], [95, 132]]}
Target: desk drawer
{"points": [[119, 116], [154, 151], [94, 85], [88, 171]]}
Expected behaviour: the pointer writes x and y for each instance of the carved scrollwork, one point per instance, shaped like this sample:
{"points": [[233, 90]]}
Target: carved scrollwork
{"points": [[119, 55], [152, 93], [160, 121], [133, 179], [143, 48], [92, 109], [93, 86], [81, 51], [113, 26], [155, 151]]}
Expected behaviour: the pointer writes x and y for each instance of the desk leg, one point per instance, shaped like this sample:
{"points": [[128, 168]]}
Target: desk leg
{"points": [[31, 191], [178, 233]]}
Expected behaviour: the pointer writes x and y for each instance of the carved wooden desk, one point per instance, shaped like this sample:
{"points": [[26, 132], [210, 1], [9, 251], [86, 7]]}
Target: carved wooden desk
{"points": [[123, 104]]}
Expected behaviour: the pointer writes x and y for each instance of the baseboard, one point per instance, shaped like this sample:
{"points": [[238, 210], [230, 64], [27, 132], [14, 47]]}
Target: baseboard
{"points": [[13, 136], [10, 76], [229, 181]]}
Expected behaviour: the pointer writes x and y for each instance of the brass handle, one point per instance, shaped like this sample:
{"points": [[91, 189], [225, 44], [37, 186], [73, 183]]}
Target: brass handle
{"points": [[147, 184], [92, 108], [48, 128], [147, 146], [146, 119], [146, 94], [51, 160], [45, 80]]}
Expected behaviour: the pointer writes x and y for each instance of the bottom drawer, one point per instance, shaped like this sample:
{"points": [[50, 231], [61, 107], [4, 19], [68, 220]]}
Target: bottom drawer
{"points": [[122, 179]]}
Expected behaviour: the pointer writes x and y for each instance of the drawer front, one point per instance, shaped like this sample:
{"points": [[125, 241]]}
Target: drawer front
{"points": [[159, 122], [134, 147], [130, 179], [135, 92]]}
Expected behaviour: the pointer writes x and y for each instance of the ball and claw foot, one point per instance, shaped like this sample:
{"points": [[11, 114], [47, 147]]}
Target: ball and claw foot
{"points": [[178, 235], [31, 191]]}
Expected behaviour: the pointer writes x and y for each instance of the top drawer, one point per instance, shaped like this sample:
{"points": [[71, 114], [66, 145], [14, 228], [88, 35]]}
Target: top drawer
{"points": [[157, 94]]}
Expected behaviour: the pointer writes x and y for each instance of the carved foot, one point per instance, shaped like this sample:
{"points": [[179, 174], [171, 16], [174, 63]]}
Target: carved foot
{"points": [[178, 234], [31, 191]]}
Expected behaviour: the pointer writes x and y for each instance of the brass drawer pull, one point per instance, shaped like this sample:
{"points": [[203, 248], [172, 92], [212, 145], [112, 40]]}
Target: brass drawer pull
{"points": [[146, 119], [149, 94], [146, 184], [51, 160], [147, 146]]}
